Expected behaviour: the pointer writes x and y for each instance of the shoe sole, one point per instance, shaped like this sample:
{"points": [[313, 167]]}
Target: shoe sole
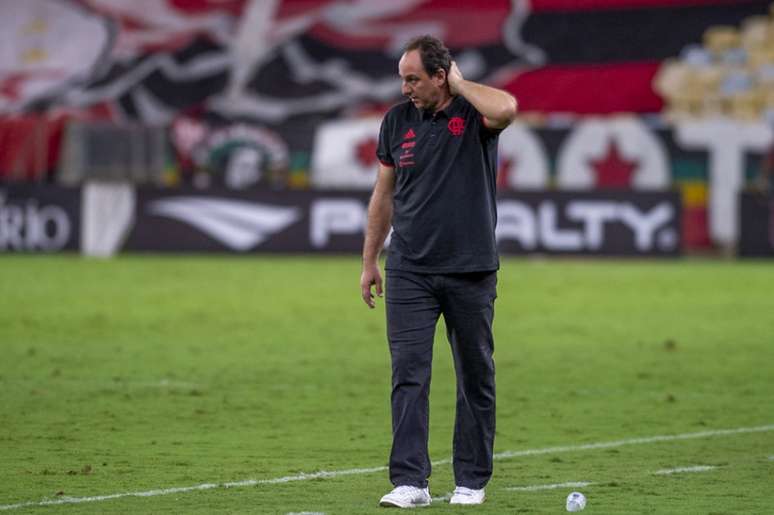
{"points": [[458, 503], [390, 504]]}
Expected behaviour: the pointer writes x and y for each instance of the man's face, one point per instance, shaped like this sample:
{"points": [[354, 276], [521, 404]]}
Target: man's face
{"points": [[425, 91]]}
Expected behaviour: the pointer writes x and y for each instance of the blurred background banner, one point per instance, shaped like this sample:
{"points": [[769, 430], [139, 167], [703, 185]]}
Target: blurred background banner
{"points": [[287, 95], [261, 221], [34, 219], [280, 61], [590, 223], [117, 217], [757, 222]]}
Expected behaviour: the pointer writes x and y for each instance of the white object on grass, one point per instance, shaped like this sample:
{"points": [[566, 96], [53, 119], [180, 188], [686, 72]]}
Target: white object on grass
{"points": [[576, 501]]}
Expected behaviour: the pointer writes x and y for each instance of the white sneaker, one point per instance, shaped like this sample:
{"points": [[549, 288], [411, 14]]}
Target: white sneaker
{"points": [[464, 495], [406, 497]]}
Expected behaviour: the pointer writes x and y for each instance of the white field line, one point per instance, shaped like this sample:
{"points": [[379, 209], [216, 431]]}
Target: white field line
{"points": [[681, 470], [167, 383], [583, 484], [185, 489], [534, 488], [442, 498], [634, 441], [360, 471]]}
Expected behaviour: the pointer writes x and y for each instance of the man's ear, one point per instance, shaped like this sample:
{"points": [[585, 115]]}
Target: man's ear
{"points": [[439, 77]]}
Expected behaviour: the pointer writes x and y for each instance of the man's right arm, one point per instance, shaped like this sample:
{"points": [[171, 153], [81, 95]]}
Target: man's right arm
{"points": [[379, 222]]}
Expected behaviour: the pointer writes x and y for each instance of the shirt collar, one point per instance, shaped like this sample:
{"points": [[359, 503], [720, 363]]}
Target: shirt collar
{"points": [[447, 111]]}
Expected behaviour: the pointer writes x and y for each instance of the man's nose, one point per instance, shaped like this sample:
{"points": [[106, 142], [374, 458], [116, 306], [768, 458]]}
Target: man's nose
{"points": [[405, 89]]}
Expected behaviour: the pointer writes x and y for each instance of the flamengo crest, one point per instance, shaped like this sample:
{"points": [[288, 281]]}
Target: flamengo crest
{"points": [[456, 126]]}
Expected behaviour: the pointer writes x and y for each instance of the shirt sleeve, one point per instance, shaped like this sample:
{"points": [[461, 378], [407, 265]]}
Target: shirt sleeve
{"points": [[482, 121], [485, 133], [383, 149]]}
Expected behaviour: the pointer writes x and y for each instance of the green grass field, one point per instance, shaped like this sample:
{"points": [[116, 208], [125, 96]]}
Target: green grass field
{"points": [[145, 374]]}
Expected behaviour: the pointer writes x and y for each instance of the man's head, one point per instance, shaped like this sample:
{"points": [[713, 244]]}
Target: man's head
{"points": [[423, 69]]}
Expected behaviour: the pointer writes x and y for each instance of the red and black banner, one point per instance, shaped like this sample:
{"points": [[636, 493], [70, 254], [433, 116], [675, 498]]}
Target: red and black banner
{"points": [[601, 55], [289, 65]]}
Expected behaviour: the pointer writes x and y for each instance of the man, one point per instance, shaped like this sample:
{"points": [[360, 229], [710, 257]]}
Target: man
{"points": [[436, 188]]}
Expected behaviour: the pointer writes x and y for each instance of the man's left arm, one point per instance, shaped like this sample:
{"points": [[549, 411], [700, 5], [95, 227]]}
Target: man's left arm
{"points": [[498, 107]]}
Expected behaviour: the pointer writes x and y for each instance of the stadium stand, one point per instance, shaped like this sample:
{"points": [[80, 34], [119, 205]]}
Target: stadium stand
{"points": [[731, 73], [191, 95]]}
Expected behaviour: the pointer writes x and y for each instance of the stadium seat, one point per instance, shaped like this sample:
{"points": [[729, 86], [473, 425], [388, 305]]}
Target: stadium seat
{"points": [[736, 82], [720, 38], [747, 106], [756, 32]]}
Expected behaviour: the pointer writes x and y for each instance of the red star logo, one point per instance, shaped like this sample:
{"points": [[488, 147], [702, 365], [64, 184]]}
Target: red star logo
{"points": [[613, 171], [365, 152]]}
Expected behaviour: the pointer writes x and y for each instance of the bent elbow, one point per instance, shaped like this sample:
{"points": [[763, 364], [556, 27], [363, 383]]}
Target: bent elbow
{"points": [[511, 109], [507, 112]]}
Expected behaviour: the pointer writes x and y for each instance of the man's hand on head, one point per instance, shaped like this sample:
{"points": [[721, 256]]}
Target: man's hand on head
{"points": [[454, 78]]}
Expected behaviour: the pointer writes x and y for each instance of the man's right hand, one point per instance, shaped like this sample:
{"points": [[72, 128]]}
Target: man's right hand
{"points": [[370, 277]]}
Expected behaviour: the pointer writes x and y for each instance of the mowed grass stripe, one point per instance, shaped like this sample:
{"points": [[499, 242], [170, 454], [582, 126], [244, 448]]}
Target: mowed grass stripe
{"points": [[339, 473], [130, 374]]}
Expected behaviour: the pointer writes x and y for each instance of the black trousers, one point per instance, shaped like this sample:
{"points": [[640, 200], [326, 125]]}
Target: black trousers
{"points": [[414, 303]]}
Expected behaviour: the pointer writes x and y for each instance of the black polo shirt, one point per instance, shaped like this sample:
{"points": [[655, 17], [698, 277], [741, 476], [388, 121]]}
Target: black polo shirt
{"points": [[444, 210]]}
